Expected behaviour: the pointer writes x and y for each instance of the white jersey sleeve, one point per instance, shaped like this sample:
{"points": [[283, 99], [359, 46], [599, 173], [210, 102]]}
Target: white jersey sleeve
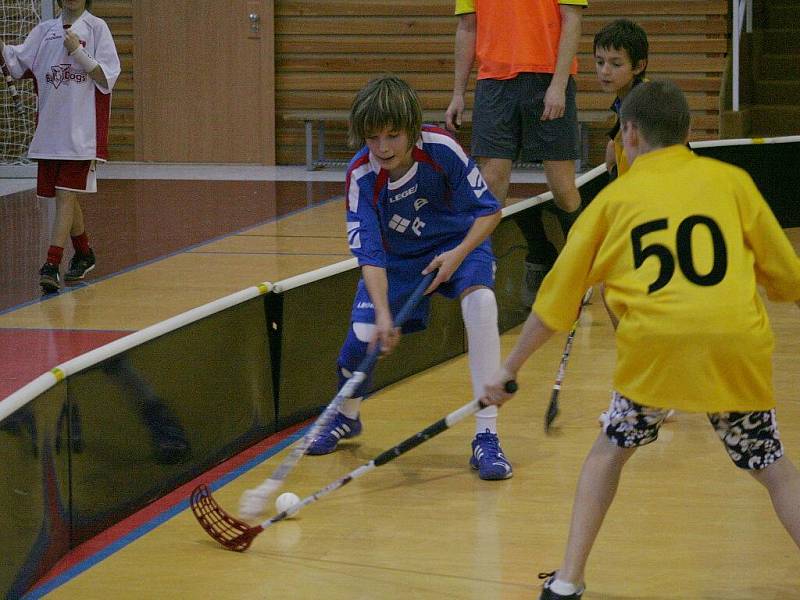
{"points": [[19, 59]]}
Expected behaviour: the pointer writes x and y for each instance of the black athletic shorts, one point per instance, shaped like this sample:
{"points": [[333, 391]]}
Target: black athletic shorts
{"points": [[506, 120]]}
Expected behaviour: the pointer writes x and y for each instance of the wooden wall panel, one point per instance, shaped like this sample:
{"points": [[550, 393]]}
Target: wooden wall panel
{"points": [[325, 51], [119, 16]]}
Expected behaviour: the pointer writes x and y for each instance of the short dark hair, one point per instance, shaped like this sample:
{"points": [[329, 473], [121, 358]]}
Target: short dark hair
{"points": [[385, 102], [660, 110], [88, 4], [623, 34]]}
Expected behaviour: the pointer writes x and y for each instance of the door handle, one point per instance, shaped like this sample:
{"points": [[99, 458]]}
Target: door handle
{"points": [[255, 22]]}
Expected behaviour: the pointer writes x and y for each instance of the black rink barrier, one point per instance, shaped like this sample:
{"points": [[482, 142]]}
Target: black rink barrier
{"points": [[774, 165], [34, 490], [102, 435], [314, 311], [164, 411]]}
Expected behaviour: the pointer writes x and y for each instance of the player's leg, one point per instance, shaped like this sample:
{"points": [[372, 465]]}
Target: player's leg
{"points": [[560, 176], [495, 133], [49, 277], [346, 423], [753, 443], [83, 177], [473, 284], [403, 279], [496, 172], [627, 426], [479, 311], [782, 481]]}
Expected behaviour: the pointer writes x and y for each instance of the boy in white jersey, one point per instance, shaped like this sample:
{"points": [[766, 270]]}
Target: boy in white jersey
{"points": [[417, 203], [75, 65], [681, 243]]}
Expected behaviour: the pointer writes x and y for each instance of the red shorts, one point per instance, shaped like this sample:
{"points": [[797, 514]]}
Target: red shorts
{"points": [[73, 175]]}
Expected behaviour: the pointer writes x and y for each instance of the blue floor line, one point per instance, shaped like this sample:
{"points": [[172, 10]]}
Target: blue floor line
{"points": [[161, 518]]}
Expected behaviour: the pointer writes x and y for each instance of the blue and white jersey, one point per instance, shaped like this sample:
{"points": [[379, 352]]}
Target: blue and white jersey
{"points": [[433, 205]]}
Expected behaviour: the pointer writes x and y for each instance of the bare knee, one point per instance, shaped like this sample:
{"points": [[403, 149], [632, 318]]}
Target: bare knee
{"points": [[561, 180], [607, 451], [780, 471], [496, 172]]}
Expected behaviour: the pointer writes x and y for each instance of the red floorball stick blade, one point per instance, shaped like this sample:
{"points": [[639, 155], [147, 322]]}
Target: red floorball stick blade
{"points": [[229, 531]]}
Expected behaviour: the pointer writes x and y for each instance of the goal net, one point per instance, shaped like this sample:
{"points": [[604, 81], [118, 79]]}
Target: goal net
{"points": [[17, 18]]}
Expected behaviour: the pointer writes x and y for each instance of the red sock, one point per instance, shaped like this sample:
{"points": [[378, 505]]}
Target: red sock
{"points": [[81, 244], [54, 254]]}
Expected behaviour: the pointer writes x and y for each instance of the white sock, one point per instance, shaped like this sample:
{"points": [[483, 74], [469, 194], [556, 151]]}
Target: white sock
{"points": [[563, 588], [479, 311], [350, 407]]}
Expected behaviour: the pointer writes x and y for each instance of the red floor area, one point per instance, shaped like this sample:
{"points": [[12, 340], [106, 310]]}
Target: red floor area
{"points": [[27, 353]]}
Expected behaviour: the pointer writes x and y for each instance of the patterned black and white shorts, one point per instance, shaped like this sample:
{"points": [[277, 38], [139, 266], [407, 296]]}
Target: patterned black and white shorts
{"points": [[751, 439]]}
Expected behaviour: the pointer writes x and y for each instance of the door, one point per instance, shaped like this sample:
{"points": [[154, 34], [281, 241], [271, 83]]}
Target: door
{"points": [[204, 81]]}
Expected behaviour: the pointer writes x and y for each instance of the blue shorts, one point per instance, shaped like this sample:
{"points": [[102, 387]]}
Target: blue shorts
{"points": [[404, 275]]}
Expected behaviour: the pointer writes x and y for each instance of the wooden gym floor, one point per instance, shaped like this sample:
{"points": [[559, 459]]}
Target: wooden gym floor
{"points": [[686, 524]]}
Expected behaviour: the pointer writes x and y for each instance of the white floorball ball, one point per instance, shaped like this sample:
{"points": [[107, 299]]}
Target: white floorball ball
{"points": [[286, 501]]}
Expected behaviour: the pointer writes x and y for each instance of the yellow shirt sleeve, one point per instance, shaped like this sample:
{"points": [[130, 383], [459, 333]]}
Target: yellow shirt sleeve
{"points": [[574, 271], [464, 7], [777, 265], [575, 2]]}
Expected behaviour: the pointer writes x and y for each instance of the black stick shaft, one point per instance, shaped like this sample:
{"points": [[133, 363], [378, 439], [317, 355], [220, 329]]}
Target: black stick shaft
{"points": [[389, 455]]}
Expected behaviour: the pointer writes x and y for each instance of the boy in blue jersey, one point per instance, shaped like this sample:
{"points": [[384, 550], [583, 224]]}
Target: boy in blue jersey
{"points": [[417, 203]]}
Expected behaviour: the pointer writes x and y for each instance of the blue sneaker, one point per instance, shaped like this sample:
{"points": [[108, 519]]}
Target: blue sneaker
{"points": [[488, 458], [341, 428]]}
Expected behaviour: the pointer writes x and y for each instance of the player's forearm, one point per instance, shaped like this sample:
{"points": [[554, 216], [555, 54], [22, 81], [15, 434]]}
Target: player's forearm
{"points": [[567, 43], [99, 76], [534, 334], [481, 229], [378, 288], [464, 52]]}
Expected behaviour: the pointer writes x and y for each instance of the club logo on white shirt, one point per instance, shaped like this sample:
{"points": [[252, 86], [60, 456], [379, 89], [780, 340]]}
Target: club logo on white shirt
{"points": [[63, 73]]}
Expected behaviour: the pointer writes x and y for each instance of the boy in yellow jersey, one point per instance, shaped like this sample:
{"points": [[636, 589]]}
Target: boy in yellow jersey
{"points": [[681, 243], [620, 55]]}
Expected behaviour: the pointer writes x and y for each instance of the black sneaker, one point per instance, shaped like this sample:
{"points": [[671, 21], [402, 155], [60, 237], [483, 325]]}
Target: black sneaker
{"points": [[548, 594], [79, 266], [49, 278]]}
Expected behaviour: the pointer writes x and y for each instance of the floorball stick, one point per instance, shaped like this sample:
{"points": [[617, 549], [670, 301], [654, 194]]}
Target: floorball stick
{"points": [[254, 501], [237, 535], [552, 408], [15, 97]]}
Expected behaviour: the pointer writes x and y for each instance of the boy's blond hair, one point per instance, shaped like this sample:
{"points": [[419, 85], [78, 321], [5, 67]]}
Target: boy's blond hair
{"points": [[386, 102]]}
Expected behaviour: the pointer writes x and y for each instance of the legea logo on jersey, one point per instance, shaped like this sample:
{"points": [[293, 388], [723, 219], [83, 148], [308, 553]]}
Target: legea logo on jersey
{"points": [[63, 73], [403, 194], [477, 183]]}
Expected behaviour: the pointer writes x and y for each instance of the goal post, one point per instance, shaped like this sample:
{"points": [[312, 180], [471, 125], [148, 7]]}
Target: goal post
{"points": [[17, 19]]}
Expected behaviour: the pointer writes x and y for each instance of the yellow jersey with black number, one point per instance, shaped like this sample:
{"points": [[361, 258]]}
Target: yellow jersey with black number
{"points": [[517, 36], [681, 243]]}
